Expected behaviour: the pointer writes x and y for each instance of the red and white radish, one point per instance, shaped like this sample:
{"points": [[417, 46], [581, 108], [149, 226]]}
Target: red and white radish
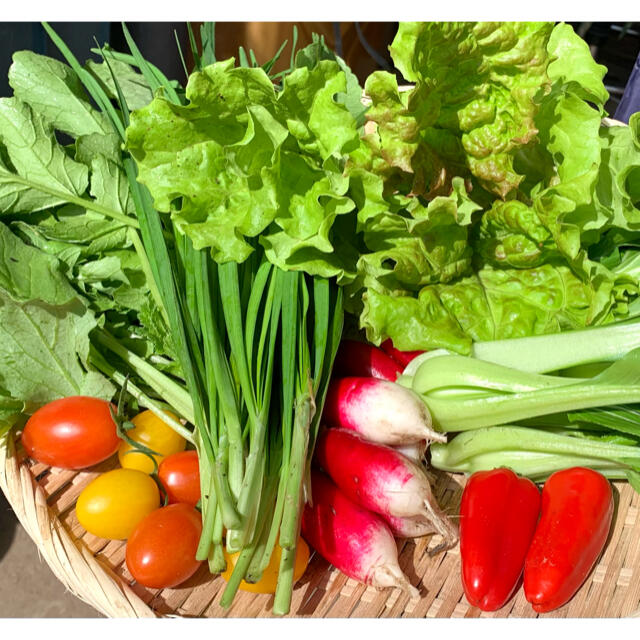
{"points": [[381, 479], [401, 357], [351, 538], [379, 410], [362, 359], [409, 527], [415, 451]]}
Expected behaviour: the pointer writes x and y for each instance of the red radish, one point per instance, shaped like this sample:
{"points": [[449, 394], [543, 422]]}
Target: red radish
{"points": [[401, 357], [361, 359], [380, 479], [351, 538], [379, 410]]}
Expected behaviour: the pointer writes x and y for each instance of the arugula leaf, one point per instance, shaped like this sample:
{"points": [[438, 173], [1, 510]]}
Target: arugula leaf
{"points": [[135, 88], [106, 268], [109, 185], [90, 232], [45, 174], [28, 274], [44, 351], [54, 91], [88, 147], [10, 411], [67, 254]]}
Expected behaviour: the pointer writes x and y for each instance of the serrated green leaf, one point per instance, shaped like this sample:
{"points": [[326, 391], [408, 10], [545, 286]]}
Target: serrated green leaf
{"points": [[109, 185], [45, 174], [134, 86], [54, 91], [44, 350], [28, 274]]}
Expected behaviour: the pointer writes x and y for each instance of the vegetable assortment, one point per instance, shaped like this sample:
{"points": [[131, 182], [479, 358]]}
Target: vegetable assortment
{"points": [[303, 312]]}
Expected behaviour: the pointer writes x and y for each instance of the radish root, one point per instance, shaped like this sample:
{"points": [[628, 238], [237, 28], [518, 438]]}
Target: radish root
{"points": [[390, 576], [443, 526]]}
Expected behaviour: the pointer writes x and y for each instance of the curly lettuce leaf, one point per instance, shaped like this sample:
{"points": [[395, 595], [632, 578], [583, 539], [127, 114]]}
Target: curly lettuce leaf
{"points": [[484, 77], [495, 304], [617, 188], [243, 161], [427, 244], [511, 234], [572, 61], [351, 97]]}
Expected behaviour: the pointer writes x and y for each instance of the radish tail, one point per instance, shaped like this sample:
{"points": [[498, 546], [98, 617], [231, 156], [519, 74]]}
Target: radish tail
{"points": [[392, 576], [443, 526]]}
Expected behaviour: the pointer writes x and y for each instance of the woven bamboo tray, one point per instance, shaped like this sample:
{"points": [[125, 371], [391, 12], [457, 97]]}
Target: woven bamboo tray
{"points": [[94, 569]]}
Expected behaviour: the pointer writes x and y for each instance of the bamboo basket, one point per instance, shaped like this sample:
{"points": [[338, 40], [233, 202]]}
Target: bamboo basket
{"points": [[94, 569]]}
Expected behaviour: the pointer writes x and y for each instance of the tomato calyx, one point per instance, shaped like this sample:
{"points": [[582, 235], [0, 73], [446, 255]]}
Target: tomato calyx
{"points": [[123, 424]]}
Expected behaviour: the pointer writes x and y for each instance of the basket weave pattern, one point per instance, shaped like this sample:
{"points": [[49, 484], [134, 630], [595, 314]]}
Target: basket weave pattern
{"points": [[94, 569]]}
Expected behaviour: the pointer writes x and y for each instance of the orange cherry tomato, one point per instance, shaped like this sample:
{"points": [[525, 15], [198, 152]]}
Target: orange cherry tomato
{"points": [[71, 433], [179, 474], [161, 551]]}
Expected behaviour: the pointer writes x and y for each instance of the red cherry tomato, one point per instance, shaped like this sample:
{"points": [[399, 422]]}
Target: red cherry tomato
{"points": [[161, 551], [180, 476], [71, 433]]}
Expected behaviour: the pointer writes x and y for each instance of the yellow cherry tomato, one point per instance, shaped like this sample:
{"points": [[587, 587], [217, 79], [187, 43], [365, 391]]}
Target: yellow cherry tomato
{"points": [[269, 580], [114, 503], [153, 433]]}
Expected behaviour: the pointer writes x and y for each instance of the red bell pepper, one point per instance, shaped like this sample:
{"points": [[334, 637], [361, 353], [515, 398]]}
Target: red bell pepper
{"points": [[365, 360], [577, 510], [498, 517]]}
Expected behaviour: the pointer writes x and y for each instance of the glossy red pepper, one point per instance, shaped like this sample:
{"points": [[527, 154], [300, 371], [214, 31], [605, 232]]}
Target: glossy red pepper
{"points": [[498, 517], [577, 510]]}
